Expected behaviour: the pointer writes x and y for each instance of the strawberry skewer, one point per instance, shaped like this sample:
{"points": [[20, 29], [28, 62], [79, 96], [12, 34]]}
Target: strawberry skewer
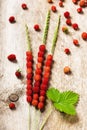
{"points": [[47, 70], [29, 66], [40, 62]]}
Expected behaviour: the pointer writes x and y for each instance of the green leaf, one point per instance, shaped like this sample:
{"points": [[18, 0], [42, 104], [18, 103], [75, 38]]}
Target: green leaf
{"points": [[69, 97], [63, 101], [53, 94], [67, 108]]}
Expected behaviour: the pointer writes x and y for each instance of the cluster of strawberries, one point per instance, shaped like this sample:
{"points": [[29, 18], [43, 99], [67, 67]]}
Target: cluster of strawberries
{"points": [[82, 3]]}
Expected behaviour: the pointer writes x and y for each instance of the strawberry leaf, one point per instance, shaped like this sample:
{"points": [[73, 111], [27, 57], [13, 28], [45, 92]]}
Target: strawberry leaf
{"points": [[63, 101]]}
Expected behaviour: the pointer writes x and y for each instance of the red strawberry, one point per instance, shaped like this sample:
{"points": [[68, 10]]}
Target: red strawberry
{"points": [[24, 6], [28, 53], [42, 48], [45, 81], [40, 54], [29, 64], [75, 26], [67, 51], [35, 96], [29, 87], [82, 3], [42, 93], [36, 89], [34, 102], [40, 59], [37, 84], [29, 99], [79, 10], [29, 92], [66, 14], [42, 98], [46, 75], [60, 3], [12, 57], [29, 81], [37, 77], [12, 106], [29, 70], [49, 57], [29, 58], [75, 1], [43, 87], [53, 8], [18, 74], [48, 63], [84, 36], [12, 19], [68, 22], [39, 65], [75, 42], [38, 71], [40, 105], [36, 27], [29, 76]]}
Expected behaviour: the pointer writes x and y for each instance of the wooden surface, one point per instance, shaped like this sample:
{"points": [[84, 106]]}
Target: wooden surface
{"points": [[13, 40]]}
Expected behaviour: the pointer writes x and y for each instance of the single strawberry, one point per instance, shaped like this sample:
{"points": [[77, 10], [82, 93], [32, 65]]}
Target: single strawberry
{"points": [[43, 87], [42, 93], [29, 58], [29, 76], [39, 65], [12, 57], [46, 75], [84, 36], [65, 30], [29, 99], [79, 10], [75, 42], [42, 48], [38, 71], [50, 1], [36, 27], [75, 1], [40, 105], [36, 89], [75, 26], [34, 102], [24, 6], [12, 106], [29, 81], [18, 74], [29, 87], [29, 70], [35, 96], [28, 53], [66, 14], [40, 59], [82, 3], [50, 57], [53, 8], [67, 51], [48, 63], [37, 83], [40, 54], [12, 19], [29, 92], [68, 22], [60, 3], [42, 98], [29, 64], [37, 77]]}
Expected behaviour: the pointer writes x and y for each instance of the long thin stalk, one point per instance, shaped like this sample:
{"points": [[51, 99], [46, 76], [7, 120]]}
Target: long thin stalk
{"points": [[46, 28], [55, 37], [28, 39]]}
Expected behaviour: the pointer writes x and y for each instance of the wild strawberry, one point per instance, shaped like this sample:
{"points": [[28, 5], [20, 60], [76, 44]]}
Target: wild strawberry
{"points": [[40, 105], [67, 51], [29, 70], [28, 53], [42, 93], [47, 69], [39, 65], [66, 14], [49, 57], [34, 102], [75, 42], [68, 22], [65, 30], [24, 6], [38, 71], [36, 27], [12, 106], [29, 99], [48, 63], [42, 98], [53, 8], [29, 58], [67, 70], [12, 57], [40, 59], [29, 92], [12, 19], [46, 75], [29, 64], [82, 3], [40, 54], [35, 96], [37, 77], [29, 87], [45, 81], [75, 1], [43, 87], [42, 48], [18, 74], [36, 89], [37, 83], [84, 36], [60, 3], [50, 1], [29, 76], [79, 10], [29, 81], [75, 26]]}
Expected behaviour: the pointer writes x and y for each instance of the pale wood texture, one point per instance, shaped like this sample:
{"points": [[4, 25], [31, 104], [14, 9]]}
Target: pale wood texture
{"points": [[13, 40]]}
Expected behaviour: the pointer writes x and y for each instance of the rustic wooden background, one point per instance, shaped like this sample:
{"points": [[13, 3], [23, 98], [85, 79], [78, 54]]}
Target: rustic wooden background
{"points": [[13, 40]]}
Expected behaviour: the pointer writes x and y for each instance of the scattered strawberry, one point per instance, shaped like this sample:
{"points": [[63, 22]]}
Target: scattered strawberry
{"points": [[12, 106], [75, 1], [36, 27], [67, 51], [24, 6], [68, 22], [50, 1], [40, 105], [84, 36], [79, 10], [12, 57], [67, 70], [75, 42], [53, 8], [18, 74], [66, 14], [60, 3], [82, 3], [65, 30], [12, 19], [75, 26]]}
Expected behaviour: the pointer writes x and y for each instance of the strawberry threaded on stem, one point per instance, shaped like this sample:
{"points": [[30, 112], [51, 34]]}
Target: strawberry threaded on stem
{"points": [[29, 66], [40, 62], [47, 70]]}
